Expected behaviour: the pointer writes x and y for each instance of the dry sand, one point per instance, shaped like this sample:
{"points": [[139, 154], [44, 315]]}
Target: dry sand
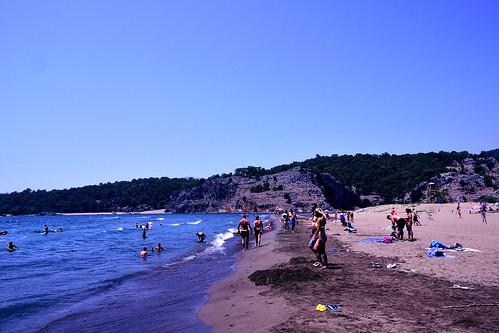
{"points": [[372, 299]]}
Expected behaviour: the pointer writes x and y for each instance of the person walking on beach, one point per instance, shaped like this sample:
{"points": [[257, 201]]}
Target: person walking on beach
{"points": [[285, 220], [243, 228], [292, 220], [319, 239], [258, 226], [483, 212], [415, 217], [458, 209], [410, 234]]}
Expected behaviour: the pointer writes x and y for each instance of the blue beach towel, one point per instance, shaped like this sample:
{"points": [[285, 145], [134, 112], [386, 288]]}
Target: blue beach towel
{"points": [[373, 240], [437, 245]]}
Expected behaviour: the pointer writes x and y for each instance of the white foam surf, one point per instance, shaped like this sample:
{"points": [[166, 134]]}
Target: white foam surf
{"points": [[195, 222], [218, 244]]}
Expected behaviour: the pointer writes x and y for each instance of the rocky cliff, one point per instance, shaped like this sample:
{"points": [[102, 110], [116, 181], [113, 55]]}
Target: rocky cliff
{"points": [[295, 188], [467, 180]]}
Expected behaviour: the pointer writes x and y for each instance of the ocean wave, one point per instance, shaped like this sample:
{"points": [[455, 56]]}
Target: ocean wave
{"points": [[189, 258], [195, 222], [173, 225], [218, 244], [160, 219]]}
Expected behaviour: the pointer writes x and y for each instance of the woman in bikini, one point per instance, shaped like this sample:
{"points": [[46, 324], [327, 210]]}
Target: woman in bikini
{"points": [[258, 226]]}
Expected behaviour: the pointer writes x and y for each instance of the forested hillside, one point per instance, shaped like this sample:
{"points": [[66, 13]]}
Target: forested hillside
{"points": [[389, 176]]}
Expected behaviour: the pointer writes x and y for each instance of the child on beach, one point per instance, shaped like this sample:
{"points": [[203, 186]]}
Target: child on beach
{"points": [[292, 220]]}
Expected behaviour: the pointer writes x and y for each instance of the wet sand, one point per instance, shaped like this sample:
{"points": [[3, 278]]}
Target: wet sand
{"points": [[372, 299]]}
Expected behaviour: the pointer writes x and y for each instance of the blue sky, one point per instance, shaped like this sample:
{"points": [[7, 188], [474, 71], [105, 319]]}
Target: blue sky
{"points": [[97, 91]]}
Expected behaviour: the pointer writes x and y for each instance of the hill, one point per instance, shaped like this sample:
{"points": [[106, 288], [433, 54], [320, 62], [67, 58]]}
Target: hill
{"points": [[339, 181]]}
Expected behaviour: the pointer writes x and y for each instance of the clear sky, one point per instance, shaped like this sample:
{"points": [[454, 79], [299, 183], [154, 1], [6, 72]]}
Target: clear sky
{"points": [[97, 91]]}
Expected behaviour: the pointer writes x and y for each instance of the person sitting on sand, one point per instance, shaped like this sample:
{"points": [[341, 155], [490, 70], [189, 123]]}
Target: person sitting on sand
{"points": [[258, 226], [410, 234], [201, 236], [399, 222], [158, 248], [243, 228], [11, 247], [320, 238], [143, 253]]}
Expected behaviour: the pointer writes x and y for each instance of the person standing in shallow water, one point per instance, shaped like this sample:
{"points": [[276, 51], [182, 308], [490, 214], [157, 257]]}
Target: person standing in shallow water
{"points": [[243, 228], [258, 226], [11, 247], [144, 233], [46, 229]]}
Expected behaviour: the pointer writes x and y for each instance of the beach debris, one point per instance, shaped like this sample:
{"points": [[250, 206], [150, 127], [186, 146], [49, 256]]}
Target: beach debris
{"points": [[469, 305], [333, 307], [376, 265], [407, 270], [320, 307], [391, 266], [456, 286]]}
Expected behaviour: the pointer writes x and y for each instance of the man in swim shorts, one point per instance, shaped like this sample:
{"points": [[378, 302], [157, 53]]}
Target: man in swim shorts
{"points": [[292, 220], [158, 248], [243, 228], [46, 229]]}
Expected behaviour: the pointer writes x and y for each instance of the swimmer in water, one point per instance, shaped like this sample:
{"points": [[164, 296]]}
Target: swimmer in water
{"points": [[158, 248], [201, 236], [244, 228], [144, 234], [143, 253], [46, 229], [11, 247]]}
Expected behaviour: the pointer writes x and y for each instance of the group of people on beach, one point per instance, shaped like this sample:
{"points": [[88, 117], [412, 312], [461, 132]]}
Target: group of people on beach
{"points": [[400, 223], [289, 220], [244, 229]]}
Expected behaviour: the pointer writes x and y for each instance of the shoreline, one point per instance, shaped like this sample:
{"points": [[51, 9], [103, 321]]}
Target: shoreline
{"points": [[371, 298], [234, 303]]}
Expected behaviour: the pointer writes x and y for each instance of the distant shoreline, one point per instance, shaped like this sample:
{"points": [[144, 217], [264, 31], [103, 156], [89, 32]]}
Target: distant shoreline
{"points": [[146, 212]]}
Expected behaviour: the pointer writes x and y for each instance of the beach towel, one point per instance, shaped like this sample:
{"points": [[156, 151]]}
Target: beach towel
{"points": [[320, 307], [437, 245], [373, 240], [436, 252]]}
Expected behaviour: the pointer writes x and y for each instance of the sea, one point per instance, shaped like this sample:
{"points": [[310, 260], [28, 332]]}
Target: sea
{"points": [[91, 278]]}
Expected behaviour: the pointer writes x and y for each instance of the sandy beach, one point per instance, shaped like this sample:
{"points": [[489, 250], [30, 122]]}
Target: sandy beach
{"points": [[414, 296]]}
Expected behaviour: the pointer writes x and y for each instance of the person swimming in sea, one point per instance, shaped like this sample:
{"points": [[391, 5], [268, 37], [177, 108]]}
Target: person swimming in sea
{"points": [[244, 228], [46, 229], [258, 226], [11, 247], [143, 253], [158, 248], [201, 236], [144, 234]]}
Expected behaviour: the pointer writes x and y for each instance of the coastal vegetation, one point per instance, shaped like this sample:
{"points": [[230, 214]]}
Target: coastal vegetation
{"points": [[386, 175]]}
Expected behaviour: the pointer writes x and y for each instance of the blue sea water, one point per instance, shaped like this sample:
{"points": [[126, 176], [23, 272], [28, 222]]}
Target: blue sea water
{"points": [[91, 278]]}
